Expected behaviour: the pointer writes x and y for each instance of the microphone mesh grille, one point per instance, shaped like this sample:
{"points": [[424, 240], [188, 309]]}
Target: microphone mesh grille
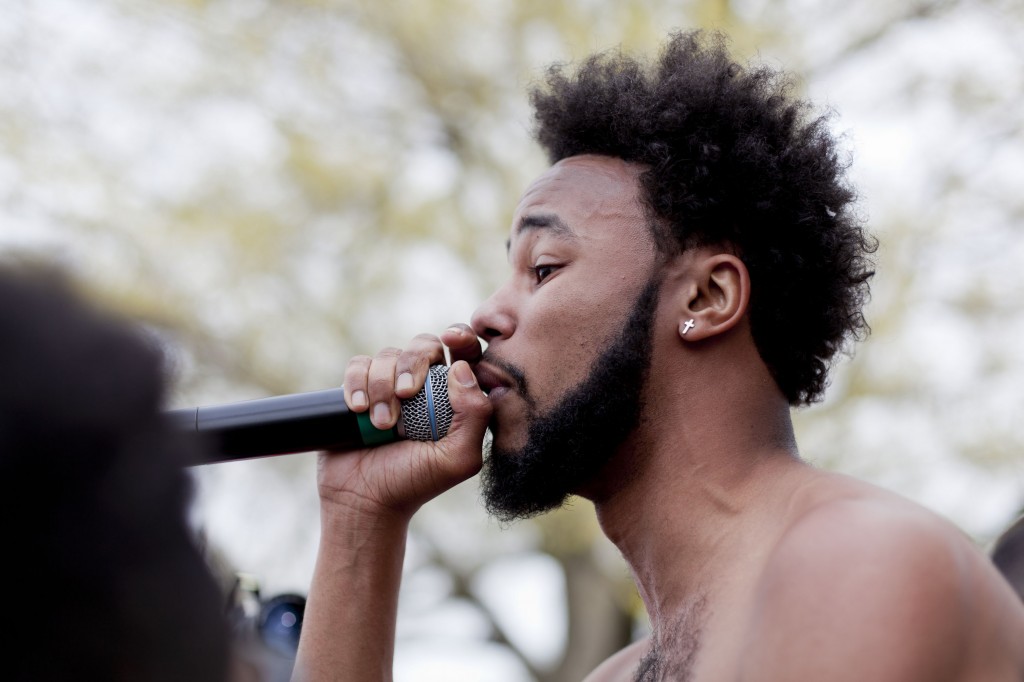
{"points": [[416, 410]]}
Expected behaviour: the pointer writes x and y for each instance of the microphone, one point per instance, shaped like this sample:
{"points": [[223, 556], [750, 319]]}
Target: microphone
{"points": [[319, 420]]}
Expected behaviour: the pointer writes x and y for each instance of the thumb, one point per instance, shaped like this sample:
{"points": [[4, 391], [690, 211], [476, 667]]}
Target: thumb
{"points": [[471, 413]]}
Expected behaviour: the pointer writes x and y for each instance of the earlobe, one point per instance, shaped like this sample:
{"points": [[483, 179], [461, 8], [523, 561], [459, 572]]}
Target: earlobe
{"points": [[718, 297]]}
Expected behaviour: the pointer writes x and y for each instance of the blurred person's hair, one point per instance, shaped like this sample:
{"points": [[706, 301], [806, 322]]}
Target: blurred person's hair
{"points": [[103, 578], [1008, 555]]}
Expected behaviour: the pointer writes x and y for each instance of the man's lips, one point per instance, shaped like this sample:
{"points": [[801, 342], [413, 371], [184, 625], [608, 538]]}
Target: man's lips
{"points": [[492, 381]]}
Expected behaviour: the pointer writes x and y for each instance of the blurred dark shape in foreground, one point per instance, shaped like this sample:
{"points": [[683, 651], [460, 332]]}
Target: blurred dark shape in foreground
{"points": [[102, 571], [1008, 555]]}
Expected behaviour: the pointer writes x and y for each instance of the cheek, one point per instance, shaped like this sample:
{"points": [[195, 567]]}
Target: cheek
{"points": [[567, 334]]}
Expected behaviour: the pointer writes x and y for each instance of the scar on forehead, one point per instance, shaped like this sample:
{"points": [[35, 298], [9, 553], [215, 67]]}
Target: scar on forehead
{"points": [[543, 221]]}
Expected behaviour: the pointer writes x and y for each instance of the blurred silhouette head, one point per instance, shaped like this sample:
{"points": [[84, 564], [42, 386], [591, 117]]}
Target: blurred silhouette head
{"points": [[101, 566]]}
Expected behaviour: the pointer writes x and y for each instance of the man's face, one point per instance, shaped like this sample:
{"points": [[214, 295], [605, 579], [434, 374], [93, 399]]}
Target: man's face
{"points": [[566, 322]]}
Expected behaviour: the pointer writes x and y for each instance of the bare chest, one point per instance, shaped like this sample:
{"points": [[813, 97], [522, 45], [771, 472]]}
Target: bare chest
{"points": [[700, 643]]}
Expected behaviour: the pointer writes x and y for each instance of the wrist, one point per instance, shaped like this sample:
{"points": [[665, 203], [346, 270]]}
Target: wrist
{"points": [[353, 526], [352, 509], [351, 610]]}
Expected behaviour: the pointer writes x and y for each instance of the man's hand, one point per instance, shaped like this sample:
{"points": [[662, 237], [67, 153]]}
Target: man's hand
{"points": [[398, 478], [367, 498]]}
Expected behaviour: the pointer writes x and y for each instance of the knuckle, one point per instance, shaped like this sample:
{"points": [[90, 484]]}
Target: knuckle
{"points": [[359, 362], [389, 352], [413, 361], [422, 350], [355, 371], [380, 386]]}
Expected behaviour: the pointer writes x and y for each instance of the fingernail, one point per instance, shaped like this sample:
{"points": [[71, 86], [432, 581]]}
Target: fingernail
{"points": [[464, 375], [455, 330], [404, 382], [381, 414], [359, 399]]}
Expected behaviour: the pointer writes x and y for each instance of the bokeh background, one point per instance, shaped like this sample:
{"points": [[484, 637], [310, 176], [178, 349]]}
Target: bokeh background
{"points": [[275, 185]]}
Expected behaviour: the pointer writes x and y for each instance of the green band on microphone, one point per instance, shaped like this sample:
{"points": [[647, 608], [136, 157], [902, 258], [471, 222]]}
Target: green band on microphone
{"points": [[370, 434]]}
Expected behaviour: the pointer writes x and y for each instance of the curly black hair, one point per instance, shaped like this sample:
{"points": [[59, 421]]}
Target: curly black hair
{"points": [[102, 572], [731, 159]]}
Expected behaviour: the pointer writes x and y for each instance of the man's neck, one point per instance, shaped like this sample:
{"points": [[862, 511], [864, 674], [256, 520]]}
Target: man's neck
{"points": [[696, 491]]}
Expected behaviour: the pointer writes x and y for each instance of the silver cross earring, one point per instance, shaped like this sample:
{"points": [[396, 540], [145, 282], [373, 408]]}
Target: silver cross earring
{"points": [[687, 327]]}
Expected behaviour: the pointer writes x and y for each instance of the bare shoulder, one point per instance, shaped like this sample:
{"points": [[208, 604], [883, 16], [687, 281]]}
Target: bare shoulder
{"points": [[621, 666], [866, 585]]}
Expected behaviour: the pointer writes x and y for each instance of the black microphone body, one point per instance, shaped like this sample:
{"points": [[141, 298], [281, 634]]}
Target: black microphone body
{"points": [[319, 420]]}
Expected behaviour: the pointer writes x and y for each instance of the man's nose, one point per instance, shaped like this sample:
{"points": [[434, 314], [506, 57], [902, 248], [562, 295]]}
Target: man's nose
{"points": [[493, 318]]}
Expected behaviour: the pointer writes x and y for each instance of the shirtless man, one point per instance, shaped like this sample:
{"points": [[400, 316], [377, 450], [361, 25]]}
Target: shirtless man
{"points": [[682, 275]]}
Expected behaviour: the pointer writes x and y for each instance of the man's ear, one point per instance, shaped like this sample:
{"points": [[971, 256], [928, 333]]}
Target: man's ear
{"points": [[714, 296]]}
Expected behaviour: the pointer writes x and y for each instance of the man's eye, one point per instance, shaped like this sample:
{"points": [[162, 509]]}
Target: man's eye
{"points": [[542, 272]]}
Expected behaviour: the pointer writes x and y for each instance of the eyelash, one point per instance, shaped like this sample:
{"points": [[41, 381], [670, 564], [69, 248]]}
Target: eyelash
{"points": [[537, 269]]}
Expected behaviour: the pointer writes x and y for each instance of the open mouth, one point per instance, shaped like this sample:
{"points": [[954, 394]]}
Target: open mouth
{"points": [[491, 381]]}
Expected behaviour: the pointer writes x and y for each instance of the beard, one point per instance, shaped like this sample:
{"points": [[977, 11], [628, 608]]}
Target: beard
{"points": [[570, 444]]}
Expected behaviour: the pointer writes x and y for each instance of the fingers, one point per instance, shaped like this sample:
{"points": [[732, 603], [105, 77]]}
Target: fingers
{"points": [[380, 387], [472, 409], [462, 342], [355, 383], [461, 448], [411, 371], [401, 476], [369, 385], [378, 383]]}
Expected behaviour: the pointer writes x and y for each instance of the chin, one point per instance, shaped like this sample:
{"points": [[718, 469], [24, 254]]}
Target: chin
{"points": [[503, 446], [502, 439]]}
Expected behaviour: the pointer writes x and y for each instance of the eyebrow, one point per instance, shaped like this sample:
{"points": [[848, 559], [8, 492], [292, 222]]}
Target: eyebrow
{"points": [[543, 221]]}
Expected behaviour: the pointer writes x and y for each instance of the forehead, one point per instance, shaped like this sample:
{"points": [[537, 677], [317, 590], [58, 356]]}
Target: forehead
{"points": [[582, 196]]}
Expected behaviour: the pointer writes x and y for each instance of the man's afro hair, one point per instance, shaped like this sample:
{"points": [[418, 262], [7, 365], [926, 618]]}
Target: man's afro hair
{"points": [[731, 159]]}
